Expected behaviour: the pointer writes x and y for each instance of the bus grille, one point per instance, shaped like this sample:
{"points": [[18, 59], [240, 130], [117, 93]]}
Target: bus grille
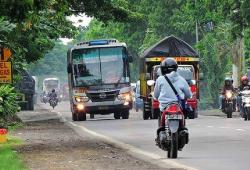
{"points": [[102, 96]]}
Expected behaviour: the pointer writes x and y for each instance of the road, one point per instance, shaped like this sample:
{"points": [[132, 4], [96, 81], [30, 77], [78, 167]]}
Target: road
{"points": [[216, 143]]}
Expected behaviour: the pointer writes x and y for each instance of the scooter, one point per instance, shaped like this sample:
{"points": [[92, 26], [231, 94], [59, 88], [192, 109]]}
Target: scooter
{"points": [[172, 134], [53, 102], [245, 98]]}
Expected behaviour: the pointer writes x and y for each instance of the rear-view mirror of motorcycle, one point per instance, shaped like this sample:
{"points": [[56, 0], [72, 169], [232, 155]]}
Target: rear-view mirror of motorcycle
{"points": [[150, 82], [130, 58], [201, 76], [192, 82], [147, 76]]}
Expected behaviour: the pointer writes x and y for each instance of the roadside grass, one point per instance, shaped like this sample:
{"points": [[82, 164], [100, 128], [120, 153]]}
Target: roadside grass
{"points": [[9, 159]]}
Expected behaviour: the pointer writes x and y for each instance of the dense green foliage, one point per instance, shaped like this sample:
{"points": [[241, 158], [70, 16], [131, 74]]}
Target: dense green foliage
{"points": [[8, 106], [30, 28], [54, 64], [221, 27]]}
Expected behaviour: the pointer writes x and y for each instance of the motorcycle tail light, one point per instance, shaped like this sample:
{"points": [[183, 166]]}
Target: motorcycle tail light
{"points": [[173, 109], [193, 88]]}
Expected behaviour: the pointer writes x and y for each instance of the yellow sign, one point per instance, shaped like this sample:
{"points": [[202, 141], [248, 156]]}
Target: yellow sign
{"points": [[155, 59], [5, 72], [5, 54], [178, 59], [186, 59]]}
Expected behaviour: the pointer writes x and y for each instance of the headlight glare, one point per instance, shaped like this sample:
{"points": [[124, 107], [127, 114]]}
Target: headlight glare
{"points": [[125, 96], [80, 107], [229, 94]]}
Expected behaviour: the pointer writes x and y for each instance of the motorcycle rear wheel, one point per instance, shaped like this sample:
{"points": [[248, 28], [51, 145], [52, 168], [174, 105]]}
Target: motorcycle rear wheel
{"points": [[248, 114], [173, 150], [229, 114]]}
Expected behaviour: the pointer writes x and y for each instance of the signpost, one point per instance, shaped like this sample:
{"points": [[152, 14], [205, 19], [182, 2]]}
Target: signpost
{"points": [[5, 72], [5, 67], [5, 54]]}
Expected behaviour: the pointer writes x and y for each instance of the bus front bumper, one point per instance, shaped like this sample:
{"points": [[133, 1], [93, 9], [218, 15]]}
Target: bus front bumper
{"points": [[102, 107]]}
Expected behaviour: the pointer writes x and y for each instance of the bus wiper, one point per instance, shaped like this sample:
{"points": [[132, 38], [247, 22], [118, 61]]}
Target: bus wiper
{"points": [[116, 84]]}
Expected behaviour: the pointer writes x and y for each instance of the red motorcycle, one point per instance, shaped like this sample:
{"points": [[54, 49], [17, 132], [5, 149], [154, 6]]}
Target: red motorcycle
{"points": [[172, 134]]}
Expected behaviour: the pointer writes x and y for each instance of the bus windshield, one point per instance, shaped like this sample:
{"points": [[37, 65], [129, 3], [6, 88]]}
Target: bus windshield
{"points": [[96, 66]]}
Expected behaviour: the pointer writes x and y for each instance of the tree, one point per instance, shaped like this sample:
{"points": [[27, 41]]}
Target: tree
{"points": [[39, 23]]}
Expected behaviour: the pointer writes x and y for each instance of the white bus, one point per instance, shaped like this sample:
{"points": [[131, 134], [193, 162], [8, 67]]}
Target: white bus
{"points": [[99, 79]]}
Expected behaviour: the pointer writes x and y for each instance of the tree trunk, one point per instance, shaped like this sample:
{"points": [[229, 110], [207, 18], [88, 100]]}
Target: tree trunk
{"points": [[237, 52]]}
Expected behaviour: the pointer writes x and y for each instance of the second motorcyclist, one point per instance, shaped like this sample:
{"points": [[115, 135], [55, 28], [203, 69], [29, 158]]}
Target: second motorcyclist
{"points": [[244, 83]]}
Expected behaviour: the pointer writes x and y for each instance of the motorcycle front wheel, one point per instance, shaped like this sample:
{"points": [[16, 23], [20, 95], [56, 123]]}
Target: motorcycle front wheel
{"points": [[173, 150]]}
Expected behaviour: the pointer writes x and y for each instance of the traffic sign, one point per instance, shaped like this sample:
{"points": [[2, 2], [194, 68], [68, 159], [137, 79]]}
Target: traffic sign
{"points": [[5, 72], [5, 54]]}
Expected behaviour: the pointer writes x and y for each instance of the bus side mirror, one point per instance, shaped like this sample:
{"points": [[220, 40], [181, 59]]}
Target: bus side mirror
{"points": [[148, 76], [130, 58], [69, 68], [150, 82], [201, 76], [192, 82]]}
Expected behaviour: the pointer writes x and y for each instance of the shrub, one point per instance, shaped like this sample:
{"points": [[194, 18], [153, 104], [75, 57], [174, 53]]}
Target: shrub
{"points": [[8, 105]]}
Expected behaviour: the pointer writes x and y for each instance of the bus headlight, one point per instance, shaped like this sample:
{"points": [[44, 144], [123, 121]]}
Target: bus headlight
{"points": [[125, 96], [80, 107], [81, 99]]}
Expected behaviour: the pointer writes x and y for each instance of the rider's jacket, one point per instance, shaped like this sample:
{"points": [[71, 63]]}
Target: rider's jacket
{"points": [[53, 95], [165, 94]]}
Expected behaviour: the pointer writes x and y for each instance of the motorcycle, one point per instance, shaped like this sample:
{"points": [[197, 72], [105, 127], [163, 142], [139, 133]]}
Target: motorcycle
{"points": [[53, 102], [43, 98], [172, 134], [228, 102], [245, 98]]}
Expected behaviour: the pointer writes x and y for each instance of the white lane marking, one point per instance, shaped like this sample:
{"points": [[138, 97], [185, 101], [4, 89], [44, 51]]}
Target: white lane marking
{"points": [[129, 147], [240, 130], [210, 126], [224, 127]]}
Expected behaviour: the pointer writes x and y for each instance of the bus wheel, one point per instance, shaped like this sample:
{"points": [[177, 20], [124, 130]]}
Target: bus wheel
{"points": [[125, 114], [92, 116], [117, 115], [79, 116], [155, 113], [146, 115]]}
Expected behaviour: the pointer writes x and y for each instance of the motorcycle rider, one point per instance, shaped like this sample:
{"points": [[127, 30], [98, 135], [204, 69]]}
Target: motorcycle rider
{"points": [[53, 95], [244, 82], [228, 85], [163, 91]]}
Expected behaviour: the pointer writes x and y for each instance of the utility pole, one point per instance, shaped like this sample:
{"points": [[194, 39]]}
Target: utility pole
{"points": [[196, 32], [196, 28]]}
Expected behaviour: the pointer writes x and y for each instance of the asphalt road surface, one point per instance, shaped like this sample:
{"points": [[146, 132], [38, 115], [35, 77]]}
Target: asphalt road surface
{"points": [[216, 143]]}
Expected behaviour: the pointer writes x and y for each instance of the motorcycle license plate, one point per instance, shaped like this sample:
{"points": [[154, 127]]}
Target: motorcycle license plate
{"points": [[174, 116]]}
